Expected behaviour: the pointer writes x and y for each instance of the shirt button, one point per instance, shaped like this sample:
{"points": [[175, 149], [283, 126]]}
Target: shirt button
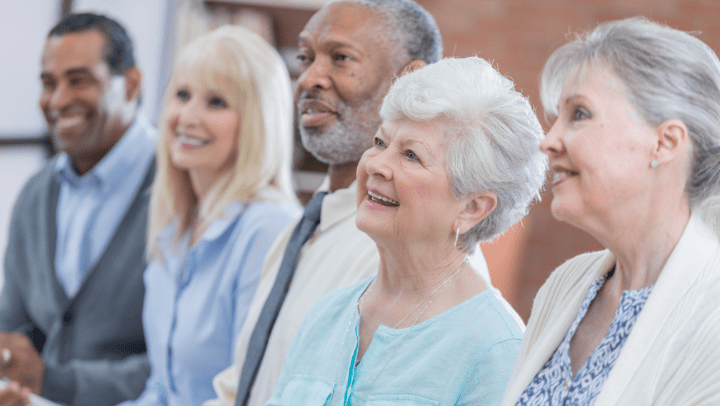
{"points": [[567, 383]]}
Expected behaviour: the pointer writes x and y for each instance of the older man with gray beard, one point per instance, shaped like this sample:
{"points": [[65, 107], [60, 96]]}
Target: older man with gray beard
{"points": [[350, 52]]}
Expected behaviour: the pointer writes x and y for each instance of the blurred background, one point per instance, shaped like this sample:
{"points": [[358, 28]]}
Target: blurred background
{"points": [[516, 35]]}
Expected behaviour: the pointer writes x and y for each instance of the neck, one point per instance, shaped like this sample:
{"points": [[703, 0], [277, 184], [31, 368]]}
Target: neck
{"points": [[643, 243], [85, 163], [342, 175], [414, 272]]}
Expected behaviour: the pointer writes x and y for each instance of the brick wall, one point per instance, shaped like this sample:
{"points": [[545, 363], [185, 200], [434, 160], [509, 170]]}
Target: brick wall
{"points": [[519, 35]]}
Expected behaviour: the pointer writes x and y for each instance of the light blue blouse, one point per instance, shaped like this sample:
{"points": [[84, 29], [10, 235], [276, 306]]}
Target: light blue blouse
{"points": [[462, 356], [197, 299]]}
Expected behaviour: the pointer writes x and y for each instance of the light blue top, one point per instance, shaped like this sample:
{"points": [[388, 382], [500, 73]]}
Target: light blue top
{"points": [[196, 300], [91, 206], [462, 356]]}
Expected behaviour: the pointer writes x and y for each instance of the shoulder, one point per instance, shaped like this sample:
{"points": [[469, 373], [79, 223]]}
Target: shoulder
{"points": [[264, 213], [331, 306], [338, 299], [572, 277], [264, 217], [487, 319], [37, 189]]}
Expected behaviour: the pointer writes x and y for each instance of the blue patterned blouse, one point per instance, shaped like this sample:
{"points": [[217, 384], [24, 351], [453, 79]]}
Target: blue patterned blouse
{"points": [[555, 385]]}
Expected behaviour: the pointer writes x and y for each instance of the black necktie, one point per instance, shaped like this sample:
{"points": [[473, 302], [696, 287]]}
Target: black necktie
{"points": [[258, 341]]}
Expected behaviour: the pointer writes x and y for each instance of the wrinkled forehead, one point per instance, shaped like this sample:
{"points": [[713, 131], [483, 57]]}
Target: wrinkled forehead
{"points": [[345, 21]]}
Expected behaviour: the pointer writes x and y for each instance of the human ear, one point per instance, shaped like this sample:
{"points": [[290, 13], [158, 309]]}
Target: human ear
{"points": [[133, 82], [412, 67], [672, 140], [477, 206]]}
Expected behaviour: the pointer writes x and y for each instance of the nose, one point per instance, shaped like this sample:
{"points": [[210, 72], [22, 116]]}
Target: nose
{"points": [[552, 144], [188, 113], [57, 98], [316, 76], [378, 164]]}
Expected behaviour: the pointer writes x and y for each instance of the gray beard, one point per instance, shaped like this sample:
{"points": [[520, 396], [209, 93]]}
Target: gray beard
{"points": [[347, 139]]}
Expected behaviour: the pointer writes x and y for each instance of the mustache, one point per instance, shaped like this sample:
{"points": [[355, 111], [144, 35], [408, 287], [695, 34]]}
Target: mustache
{"points": [[306, 95]]}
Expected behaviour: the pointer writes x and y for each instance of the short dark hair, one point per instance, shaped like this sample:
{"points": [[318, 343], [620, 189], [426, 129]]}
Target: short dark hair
{"points": [[119, 53]]}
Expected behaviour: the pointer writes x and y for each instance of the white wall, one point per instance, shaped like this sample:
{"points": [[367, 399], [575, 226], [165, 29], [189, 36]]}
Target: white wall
{"points": [[23, 27]]}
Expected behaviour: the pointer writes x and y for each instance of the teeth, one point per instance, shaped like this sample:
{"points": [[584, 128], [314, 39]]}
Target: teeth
{"points": [[383, 198], [560, 175], [67, 122], [192, 141], [314, 112]]}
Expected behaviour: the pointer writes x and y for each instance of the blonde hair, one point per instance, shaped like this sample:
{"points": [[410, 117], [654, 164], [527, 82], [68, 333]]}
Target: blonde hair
{"points": [[254, 79]]}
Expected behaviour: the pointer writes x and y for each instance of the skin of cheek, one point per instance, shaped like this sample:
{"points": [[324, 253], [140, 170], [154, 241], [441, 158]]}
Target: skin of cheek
{"points": [[420, 190]]}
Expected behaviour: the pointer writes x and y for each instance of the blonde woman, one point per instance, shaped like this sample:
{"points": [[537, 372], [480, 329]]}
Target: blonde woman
{"points": [[221, 195]]}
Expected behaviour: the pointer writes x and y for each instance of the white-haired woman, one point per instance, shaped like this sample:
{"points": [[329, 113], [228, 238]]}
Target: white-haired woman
{"points": [[455, 162], [221, 195], [635, 152]]}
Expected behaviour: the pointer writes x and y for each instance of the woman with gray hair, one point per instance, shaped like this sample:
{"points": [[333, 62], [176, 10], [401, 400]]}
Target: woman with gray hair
{"points": [[635, 156], [455, 162]]}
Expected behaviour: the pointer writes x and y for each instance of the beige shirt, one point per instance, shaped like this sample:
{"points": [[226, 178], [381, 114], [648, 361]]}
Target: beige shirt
{"points": [[338, 255]]}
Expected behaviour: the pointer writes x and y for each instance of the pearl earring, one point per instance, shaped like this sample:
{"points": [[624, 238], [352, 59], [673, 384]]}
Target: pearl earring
{"points": [[654, 164], [457, 234]]}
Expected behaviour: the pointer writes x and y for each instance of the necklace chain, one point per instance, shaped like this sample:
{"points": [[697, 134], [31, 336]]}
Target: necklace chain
{"points": [[359, 305], [432, 294]]}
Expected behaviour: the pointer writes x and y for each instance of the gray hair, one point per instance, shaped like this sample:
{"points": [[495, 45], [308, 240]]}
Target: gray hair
{"points": [[493, 134], [667, 74], [409, 24]]}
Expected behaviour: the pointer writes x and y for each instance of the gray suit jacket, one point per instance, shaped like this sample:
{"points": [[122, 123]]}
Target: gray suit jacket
{"points": [[93, 344]]}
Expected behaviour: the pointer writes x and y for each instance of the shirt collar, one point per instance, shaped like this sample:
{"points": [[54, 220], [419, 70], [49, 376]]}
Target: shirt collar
{"points": [[113, 167], [166, 239], [338, 205]]}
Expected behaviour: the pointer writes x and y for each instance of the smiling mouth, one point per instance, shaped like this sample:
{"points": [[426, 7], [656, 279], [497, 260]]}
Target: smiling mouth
{"points": [[559, 176], [385, 201], [196, 142]]}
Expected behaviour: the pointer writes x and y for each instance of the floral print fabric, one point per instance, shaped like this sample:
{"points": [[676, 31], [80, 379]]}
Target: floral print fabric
{"points": [[554, 384]]}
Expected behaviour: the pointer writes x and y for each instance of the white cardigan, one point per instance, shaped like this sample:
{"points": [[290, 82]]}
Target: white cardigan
{"points": [[672, 355]]}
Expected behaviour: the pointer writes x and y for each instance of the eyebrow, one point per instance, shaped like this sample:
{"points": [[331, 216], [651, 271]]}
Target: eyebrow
{"points": [[68, 72], [574, 97], [329, 43], [78, 71]]}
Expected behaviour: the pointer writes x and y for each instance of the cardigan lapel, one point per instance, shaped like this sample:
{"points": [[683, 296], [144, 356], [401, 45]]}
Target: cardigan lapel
{"points": [[117, 238], [540, 344], [680, 273], [49, 233]]}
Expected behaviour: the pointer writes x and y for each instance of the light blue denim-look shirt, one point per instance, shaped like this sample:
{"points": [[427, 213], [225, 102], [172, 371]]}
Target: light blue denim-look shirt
{"points": [[464, 356], [196, 300], [91, 206]]}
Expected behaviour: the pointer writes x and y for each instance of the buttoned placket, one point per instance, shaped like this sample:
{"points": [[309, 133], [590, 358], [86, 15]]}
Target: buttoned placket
{"points": [[78, 250], [187, 269]]}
